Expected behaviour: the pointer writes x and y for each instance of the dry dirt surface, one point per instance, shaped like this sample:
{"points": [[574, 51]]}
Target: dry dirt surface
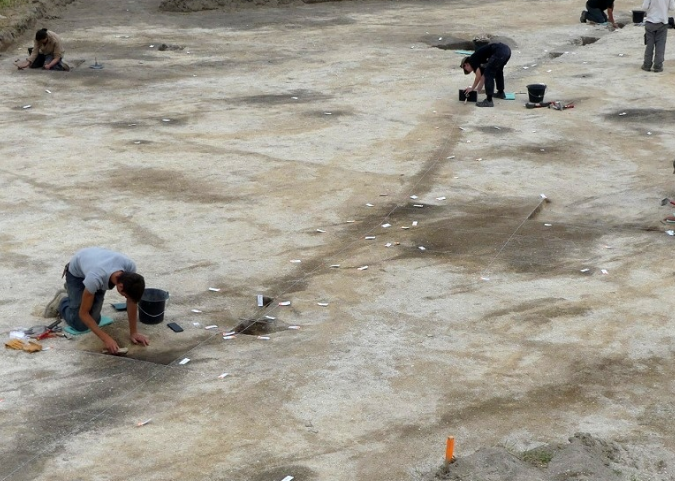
{"points": [[281, 151]]}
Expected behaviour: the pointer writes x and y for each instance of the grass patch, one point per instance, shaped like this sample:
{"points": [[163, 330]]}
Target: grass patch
{"points": [[7, 5], [539, 457]]}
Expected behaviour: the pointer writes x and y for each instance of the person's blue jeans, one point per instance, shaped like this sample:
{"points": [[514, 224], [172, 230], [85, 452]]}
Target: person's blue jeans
{"points": [[41, 60], [596, 15], [494, 70], [70, 306]]}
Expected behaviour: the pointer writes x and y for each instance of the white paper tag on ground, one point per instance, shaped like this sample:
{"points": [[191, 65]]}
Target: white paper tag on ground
{"points": [[321, 231], [271, 318], [296, 261], [388, 244], [264, 338], [386, 225], [322, 304], [369, 237], [288, 478], [196, 311], [285, 303], [585, 269], [370, 205], [294, 327], [26, 106], [212, 326], [223, 375], [363, 268], [230, 333], [214, 289], [184, 361], [604, 271], [413, 197], [422, 248], [440, 198], [227, 338], [414, 224]]}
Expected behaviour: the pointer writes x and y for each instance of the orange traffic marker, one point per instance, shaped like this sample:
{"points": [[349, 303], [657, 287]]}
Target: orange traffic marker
{"points": [[450, 450]]}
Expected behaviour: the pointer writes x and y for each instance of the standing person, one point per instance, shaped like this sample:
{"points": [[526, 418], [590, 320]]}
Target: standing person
{"points": [[91, 272], [656, 32], [47, 52], [487, 63], [596, 12]]}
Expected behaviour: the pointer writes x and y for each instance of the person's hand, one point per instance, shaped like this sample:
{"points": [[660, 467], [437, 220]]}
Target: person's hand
{"points": [[140, 339], [111, 345], [468, 90], [46, 67], [22, 65], [615, 25]]}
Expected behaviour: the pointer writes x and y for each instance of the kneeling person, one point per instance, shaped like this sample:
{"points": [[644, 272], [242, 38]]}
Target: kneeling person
{"points": [[91, 272]]}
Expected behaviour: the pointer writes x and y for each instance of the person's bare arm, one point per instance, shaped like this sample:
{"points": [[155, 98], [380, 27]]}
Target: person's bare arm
{"points": [[132, 313], [85, 307], [49, 65], [477, 81], [610, 16]]}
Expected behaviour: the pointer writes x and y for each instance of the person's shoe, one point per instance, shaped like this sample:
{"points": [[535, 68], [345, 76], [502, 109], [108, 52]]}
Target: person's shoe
{"points": [[645, 68], [499, 95], [485, 103], [658, 69], [66, 67], [52, 309], [582, 19]]}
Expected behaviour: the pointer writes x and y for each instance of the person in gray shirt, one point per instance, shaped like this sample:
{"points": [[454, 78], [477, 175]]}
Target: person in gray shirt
{"points": [[89, 274]]}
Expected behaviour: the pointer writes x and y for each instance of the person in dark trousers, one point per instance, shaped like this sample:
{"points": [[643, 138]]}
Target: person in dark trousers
{"points": [[595, 12], [89, 274], [656, 32], [487, 63]]}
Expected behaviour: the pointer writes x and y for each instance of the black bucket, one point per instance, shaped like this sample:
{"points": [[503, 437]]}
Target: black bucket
{"points": [[152, 305], [480, 42], [472, 97], [638, 16], [536, 92]]}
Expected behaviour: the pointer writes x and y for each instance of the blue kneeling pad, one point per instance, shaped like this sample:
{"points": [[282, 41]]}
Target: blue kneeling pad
{"points": [[105, 320]]}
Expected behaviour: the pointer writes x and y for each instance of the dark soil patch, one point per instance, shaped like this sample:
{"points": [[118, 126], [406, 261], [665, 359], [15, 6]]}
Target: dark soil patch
{"points": [[657, 116]]}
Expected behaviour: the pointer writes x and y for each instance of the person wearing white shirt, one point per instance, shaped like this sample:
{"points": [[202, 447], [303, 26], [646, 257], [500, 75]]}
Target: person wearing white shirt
{"points": [[656, 32]]}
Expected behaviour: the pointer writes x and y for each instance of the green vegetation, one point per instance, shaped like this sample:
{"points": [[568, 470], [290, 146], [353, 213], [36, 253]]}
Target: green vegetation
{"points": [[5, 5], [537, 457]]}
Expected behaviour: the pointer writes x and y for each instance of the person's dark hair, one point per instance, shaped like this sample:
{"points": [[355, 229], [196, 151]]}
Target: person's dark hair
{"points": [[41, 34], [133, 285], [465, 60]]}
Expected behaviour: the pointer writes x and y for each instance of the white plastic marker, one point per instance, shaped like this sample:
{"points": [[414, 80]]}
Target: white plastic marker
{"points": [[334, 266], [296, 261], [440, 198], [231, 333], [166, 120], [223, 375], [370, 205], [604, 271], [197, 324], [414, 224], [48, 91], [413, 197], [405, 227], [227, 338], [294, 327], [288, 478], [388, 244], [670, 232], [484, 278], [196, 311], [386, 225], [264, 338], [184, 361], [26, 106], [214, 289], [143, 423], [213, 326], [451, 157], [548, 225], [369, 237], [585, 269], [362, 268], [321, 231], [422, 248], [350, 221], [285, 303], [271, 318], [418, 205], [322, 304]]}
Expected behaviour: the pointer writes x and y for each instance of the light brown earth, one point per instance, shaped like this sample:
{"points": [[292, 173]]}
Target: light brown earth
{"points": [[287, 120]]}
